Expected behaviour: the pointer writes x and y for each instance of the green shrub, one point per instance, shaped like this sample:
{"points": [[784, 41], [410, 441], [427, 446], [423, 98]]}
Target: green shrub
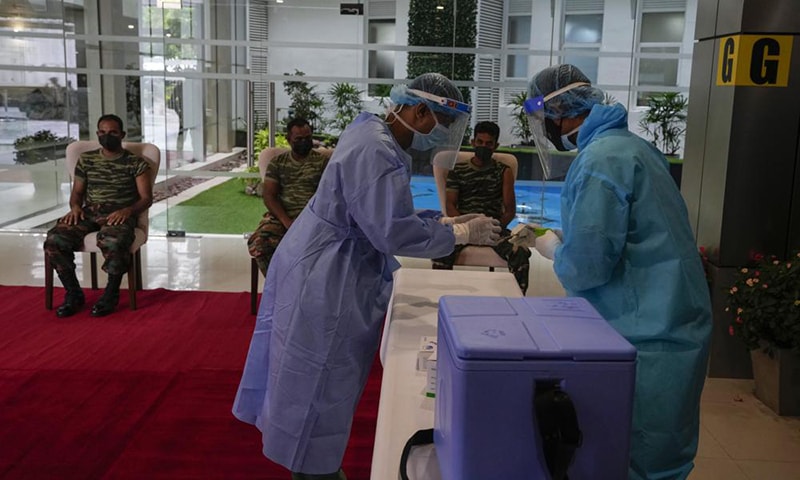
{"points": [[40, 147], [765, 303]]}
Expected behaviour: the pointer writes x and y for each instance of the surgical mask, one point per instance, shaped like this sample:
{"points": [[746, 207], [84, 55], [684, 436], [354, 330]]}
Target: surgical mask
{"points": [[437, 137], [566, 142], [302, 146], [553, 132], [484, 153], [110, 142]]}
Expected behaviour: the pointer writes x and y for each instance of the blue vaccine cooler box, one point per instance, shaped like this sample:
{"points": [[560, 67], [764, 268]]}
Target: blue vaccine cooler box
{"points": [[498, 358]]}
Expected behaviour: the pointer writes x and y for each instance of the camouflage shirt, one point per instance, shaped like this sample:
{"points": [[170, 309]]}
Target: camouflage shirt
{"points": [[110, 181], [298, 179], [479, 190]]}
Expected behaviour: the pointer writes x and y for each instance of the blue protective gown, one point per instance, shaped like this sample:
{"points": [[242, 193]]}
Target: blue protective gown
{"points": [[628, 248], [326, 296]]}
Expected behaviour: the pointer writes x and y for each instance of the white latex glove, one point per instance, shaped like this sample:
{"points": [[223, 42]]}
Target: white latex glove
{"points": [[459, 219], [478, 231], [546, 244]]}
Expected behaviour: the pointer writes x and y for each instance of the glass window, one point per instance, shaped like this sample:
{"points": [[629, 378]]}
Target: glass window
{"points": [[381, 63], [662, 27], [586, 63], [658, 71], [661, 34], [517, 66], [583, 28], [583, 33], [519, 29]]}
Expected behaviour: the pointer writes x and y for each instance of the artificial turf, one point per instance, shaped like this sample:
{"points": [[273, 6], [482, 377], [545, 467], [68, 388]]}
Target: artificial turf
{"points": [[224, 208]]}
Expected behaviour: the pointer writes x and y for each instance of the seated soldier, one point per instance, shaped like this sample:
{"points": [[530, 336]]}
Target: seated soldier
{"points": [[486, 186], [289, 183], [109, 191]]}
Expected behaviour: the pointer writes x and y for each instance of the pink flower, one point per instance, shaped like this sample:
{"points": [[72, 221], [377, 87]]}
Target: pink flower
{"points": [[730, 330], [739, 320]]}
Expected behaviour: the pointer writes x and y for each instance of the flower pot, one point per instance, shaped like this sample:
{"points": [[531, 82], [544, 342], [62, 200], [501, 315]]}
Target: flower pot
{"points": [[777, 380]]}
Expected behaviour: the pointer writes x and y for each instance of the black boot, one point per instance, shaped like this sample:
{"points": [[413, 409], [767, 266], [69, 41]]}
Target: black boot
{"points": [[74, 299], [109, 299]]}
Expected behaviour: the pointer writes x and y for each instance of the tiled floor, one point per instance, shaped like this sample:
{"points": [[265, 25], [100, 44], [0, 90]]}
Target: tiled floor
{"points": [[741, 439]]}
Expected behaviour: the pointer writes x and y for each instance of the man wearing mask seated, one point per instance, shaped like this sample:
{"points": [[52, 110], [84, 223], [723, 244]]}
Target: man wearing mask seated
{"points": [[109, 191], [289, 183], [486, 186]]}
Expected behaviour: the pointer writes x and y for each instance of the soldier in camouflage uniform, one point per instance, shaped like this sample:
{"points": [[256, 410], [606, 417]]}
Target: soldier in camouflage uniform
{"points": [[486, 186], [110, 189], [289, 183]]}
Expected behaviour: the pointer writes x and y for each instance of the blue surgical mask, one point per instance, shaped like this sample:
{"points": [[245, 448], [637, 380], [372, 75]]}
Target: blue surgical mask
{"points": [[437, 137], [568, 145]]}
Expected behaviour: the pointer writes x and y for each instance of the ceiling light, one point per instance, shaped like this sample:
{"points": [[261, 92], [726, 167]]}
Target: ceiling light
{"points": [[439, 7], [131, 27]]}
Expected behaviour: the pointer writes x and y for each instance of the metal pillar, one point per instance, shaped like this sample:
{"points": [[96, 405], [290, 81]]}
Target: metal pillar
{"points": [[740, 177]]}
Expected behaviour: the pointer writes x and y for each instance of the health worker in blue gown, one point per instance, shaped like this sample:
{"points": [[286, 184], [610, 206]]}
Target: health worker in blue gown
{"points": [[328, 285], [628, 248]]}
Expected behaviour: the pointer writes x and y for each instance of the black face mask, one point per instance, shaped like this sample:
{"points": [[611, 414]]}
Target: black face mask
{"points": [[484, 153], [110, 142], [553, 133], [302, 146]]}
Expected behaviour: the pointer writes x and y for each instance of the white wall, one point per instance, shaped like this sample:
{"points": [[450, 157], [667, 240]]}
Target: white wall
{"points": [[316, 21]]}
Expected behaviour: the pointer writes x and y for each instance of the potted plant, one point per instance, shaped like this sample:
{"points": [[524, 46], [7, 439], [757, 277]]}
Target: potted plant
{"points": [[521, 128], [665, 122], [305, 101], [347, 102], [765, 305], [40, 147]]}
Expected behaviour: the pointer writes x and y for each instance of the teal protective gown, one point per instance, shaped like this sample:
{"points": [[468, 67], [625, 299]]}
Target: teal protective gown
{"points": [[325, 300], [628, 248]]}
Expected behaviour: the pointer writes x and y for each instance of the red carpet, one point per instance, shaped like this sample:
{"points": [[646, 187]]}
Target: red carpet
{"points": [[137, 395]]}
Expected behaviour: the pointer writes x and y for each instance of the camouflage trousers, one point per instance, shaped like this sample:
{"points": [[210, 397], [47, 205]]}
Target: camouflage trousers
{"points": [[114, 241], [517, 258], [263, 242]]}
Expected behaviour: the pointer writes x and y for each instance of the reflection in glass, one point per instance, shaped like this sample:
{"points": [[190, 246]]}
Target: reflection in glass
{"points": [[180, 72]]}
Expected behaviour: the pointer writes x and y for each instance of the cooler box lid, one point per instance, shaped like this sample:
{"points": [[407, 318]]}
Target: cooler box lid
{"points": [[500, 328]]}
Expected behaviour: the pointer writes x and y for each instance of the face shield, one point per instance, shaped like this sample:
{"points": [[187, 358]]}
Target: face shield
{"points": [[442, 143], [534, 109]]}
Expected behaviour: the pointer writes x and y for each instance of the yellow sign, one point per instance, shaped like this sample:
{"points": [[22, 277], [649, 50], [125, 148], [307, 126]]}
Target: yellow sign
{"points": [[754, 60]]}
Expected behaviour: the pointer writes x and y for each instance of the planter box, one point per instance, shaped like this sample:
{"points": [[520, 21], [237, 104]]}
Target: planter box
{"points": [[39, 154], [778, 380]]}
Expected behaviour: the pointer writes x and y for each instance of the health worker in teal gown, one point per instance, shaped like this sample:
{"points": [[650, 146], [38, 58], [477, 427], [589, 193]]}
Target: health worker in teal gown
{"points": [[628, 248], [328, 285]]}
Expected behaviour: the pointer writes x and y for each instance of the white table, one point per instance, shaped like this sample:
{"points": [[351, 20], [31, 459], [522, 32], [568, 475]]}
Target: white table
{"points": [[413, 313]]}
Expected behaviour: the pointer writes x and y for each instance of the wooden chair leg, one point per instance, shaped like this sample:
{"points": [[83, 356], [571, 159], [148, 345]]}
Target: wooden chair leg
{"points": [[48, 284], [253, 286], [138, 259], [93, 266], [133, 281]]}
